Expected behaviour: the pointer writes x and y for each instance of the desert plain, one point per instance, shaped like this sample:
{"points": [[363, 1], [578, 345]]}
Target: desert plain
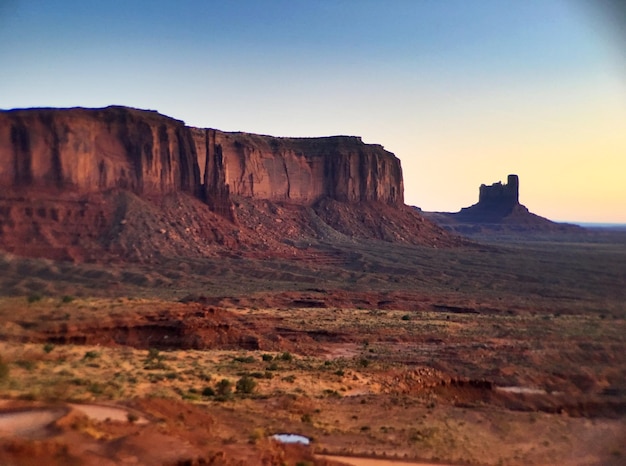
{"points": [[501, 352]]}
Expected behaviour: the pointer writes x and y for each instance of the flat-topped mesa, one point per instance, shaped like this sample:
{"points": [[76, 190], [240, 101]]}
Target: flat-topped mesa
{"points": [[501, 193], [148, 153], [304, 170]]}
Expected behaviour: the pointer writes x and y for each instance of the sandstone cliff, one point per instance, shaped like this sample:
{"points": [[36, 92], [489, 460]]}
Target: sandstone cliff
{"points": [[97, 149], [305, 170], [77, 183], [148, 153]]}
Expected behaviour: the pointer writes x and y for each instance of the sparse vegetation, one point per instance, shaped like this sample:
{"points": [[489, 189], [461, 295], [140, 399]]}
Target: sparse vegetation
{"points": [[349, 361]]}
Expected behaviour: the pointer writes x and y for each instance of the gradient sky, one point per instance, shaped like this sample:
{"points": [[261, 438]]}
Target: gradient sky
{"points": [[464, 92]]}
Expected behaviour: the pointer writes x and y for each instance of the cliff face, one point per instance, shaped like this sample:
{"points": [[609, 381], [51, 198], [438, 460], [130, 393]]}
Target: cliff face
{"points": [[305, 170], [148, 153], [94, 150]]}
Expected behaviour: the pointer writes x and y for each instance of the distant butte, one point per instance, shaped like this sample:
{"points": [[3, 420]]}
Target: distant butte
{"points": [[498, 210]]}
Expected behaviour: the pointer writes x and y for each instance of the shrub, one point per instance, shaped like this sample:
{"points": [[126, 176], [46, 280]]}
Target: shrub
{"points": [[96, 388], [26, 364], [406, 317], [224, 388], [208, 391], [91, 355], [267, 357], [246, 384], [244, 359], [48, 347], [154, 355], [286, 356], [67, 299], [132, 417], [34, 297], [154, 360]]}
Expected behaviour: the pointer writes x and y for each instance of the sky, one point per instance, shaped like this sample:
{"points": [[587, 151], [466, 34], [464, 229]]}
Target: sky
{"points": [[464, 92]]}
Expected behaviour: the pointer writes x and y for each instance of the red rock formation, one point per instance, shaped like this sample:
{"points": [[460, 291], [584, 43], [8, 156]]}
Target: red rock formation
{"points": [[305, 170], [77, 182], [97, 149], [148, 153]]}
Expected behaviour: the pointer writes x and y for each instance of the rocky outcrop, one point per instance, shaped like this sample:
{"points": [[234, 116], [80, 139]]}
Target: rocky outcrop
{"points": [[495, 202], [498, 210]]}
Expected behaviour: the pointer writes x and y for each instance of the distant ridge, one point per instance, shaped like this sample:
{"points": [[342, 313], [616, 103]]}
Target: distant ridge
{"points": [[602, 226]]}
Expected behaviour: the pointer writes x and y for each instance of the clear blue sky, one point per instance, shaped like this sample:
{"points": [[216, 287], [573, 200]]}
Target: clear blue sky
{"points": [[464, 92]]}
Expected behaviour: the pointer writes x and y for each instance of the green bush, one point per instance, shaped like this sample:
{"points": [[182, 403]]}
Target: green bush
{"points": [[246, 385], [67, 299], [91, 355], [224, 388], [286, 356], [208, 391], [267, 357], [48, 347], [244, 359], [272, 367], [34, 297], [154, 360]]}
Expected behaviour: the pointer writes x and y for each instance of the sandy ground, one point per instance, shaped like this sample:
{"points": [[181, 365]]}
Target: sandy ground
{"points": [[28, 423]]}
